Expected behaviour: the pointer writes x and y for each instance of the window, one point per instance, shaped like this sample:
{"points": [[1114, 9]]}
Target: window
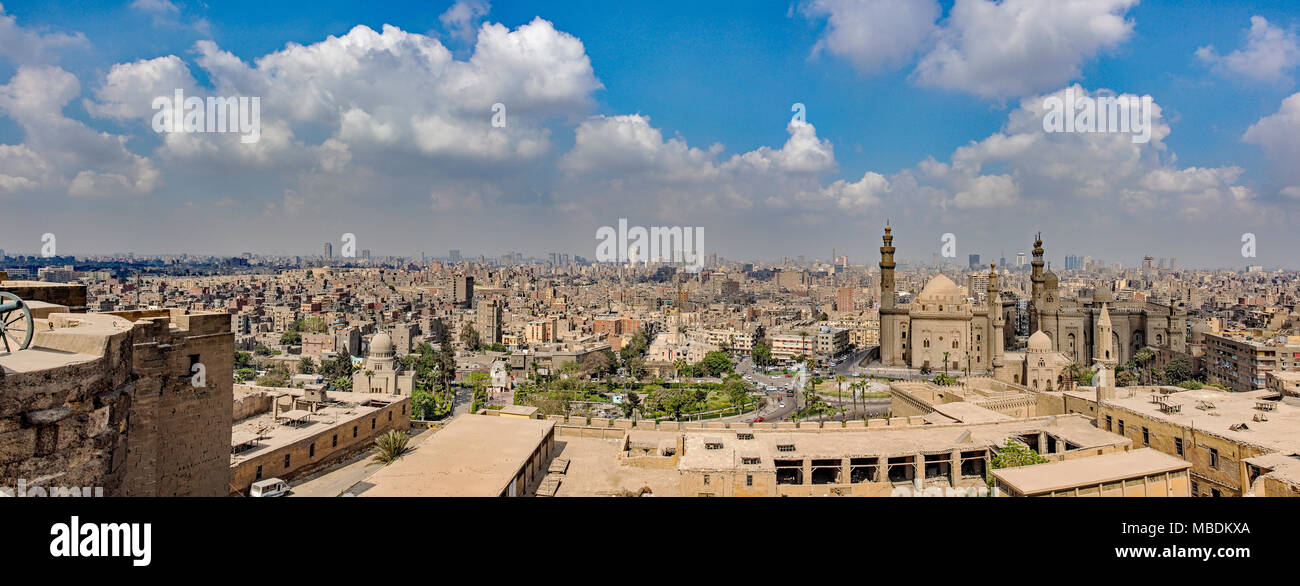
{"points": [[390, 416], [286, 460], [713, 446], [1214, 458], [354, 431], [750, 461], [335, 442], [1108, 423], [311, 451], [744, 436], [706, 479], [259, 473], [785, 447], [372, 422], [749, 480], [1178, 445], [1121, 427], [1146, 437]]}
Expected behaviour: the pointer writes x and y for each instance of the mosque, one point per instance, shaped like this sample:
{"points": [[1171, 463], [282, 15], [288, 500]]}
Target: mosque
{"points": [[381, 372], [943, 329]]}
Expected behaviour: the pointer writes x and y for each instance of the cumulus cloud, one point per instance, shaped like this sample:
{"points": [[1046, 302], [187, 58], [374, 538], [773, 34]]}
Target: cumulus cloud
{"points": [[463, 17], [874, 34], [59, 152], [1270, 54], [994, 49], [1278, 135], [26, 46]]}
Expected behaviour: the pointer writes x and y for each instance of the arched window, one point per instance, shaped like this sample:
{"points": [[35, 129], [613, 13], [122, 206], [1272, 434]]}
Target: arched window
{"points": [[954, 344]]}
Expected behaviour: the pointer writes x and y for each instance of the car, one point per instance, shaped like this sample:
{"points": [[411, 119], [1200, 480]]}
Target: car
{"points": [[761, 419], [783, 404]]}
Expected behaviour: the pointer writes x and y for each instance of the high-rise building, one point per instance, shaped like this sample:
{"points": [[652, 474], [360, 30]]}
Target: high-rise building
{"points": [[329, 250], [463, 290], [487, 321], [454, 255], [1021, 260], [974, 262], [844, 299]]}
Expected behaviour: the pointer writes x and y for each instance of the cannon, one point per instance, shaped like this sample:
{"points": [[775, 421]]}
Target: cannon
{"points": [[15, 323]]}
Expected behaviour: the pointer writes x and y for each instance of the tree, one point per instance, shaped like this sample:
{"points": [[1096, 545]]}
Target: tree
{"points": [[447, 363], [306, 365], [291, 338], [636, 368], [1143, 359], [1016, 454], [1178, 370], [632, 400], [243, 360], [469, 338], [839, 385], [716, 363], [737, 392], [569, 368], [762, 355], [391, 446], [245, 374]]}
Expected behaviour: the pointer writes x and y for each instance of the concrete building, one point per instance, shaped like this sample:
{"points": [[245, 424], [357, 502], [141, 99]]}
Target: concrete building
{"points": [[381, 372], [138, 403], [289, 433], [474, 456], [1242, 361], [1137, 473]]}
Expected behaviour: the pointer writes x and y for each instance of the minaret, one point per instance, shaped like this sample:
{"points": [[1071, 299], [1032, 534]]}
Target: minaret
{"points": [[887, 270], [996, 321], [1037, 279], [1104, 356]]}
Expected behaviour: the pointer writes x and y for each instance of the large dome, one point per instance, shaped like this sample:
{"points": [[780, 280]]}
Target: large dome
{"points": [[381, 345], [1040, 342], [939, 287]]}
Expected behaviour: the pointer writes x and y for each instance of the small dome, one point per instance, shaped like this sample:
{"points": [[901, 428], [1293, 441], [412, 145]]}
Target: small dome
{"points": [[1040, 342], [381, 344], [939, 287]]}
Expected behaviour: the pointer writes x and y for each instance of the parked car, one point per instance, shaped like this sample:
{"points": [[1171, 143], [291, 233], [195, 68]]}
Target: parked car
{"points": [[760, 418]]}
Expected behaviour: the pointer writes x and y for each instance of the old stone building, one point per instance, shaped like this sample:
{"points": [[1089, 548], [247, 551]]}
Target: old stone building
{"points": [[136, 403]]}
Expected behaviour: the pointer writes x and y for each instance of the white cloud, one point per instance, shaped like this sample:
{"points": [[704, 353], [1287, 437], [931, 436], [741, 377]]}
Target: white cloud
{"points": [[1270, 54], [463, 17], [994, 49], [1013, 48], [1278, 135], [874, 34], [24, 46], [58, 151]]}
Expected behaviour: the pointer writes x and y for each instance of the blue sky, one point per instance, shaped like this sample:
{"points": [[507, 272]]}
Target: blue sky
{"points": [[706, 73]]}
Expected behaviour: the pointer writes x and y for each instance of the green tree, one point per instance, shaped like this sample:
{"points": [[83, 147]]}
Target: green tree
{"points": [[716, 363], [469, 338], [243, 360], [306, 365], [762, 355], [636, 368], [1178, 370], [291, 338], [391, 446], [1016, 454]]}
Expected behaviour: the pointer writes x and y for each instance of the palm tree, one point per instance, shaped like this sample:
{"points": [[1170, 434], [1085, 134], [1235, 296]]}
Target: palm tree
{"points": [[369, 385], [945, 364], [391, 446], [839, 384]]}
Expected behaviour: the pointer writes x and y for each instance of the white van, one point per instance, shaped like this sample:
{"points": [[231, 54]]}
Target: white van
{"points": [[269, 487]]}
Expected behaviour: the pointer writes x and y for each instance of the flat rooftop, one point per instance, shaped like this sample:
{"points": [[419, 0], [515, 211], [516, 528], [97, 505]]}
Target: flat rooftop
{"points": [[270, 434], [880, 442], [1281, 431], [1042, 478], [474, 455]]}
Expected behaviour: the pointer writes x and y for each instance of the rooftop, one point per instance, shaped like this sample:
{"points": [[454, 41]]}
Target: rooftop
{"points": [[1042, 478], [475, 455], [1217, 412]]}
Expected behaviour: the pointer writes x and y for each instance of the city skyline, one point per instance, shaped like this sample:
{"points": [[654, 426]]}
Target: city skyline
{"points": [[751, 135]]}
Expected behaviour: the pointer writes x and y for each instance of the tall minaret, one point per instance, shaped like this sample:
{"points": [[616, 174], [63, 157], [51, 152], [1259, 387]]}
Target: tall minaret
{"points": [[996, 321], [1037, 288], [1104, 356], [887, 270]]}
